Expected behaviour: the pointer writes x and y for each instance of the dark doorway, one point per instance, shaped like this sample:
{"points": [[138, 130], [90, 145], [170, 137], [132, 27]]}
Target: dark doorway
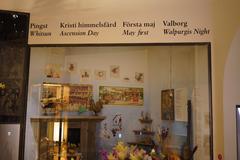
{"points": [[74, 135], [13, 26]]}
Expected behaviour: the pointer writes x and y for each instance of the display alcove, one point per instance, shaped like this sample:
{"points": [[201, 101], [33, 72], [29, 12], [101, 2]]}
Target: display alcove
{"points": [[130, 79], [63, 128], [144, 134], [66, 138]]}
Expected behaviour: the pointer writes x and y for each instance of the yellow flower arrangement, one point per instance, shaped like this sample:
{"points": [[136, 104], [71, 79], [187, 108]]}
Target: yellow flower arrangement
{"points": [[123, 152]]}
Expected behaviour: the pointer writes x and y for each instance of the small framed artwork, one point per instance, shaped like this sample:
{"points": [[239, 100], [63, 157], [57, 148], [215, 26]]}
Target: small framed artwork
{"points": [[71, 67], [80, 94], [114, 71], [85, 75], [126, 79], [100, 75], [139, 77], [167, 104], [53, 71]]}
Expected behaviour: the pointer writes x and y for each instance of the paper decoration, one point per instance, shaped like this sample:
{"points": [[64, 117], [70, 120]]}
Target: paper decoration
{"points": [[71, 67], [85, 75], [139, 77], [114, 71], [180, 100], [100, 75], [53, 71], [105, 133], [126, 79], [117, 124]]}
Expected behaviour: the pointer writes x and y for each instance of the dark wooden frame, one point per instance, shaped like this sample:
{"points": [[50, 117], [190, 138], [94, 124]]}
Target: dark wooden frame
{"points": [[167, 105], [25, 82], [237, 128], [157, 44]]}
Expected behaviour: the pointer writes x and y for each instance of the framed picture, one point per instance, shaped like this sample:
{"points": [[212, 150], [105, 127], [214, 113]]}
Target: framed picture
{"points": [[53, 71], [80, 94], [139, 77], [115, 71], [71, 67], [85, 75], [126, 79], [167, 104], [100, 75], [112, 95]]}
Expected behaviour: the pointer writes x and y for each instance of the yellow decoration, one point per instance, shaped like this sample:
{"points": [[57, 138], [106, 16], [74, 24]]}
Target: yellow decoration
{"points": [[121, 150], [111, 156]]}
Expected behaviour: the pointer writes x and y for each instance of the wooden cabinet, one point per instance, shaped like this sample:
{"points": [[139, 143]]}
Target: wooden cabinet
{"points": [[55, 137]]}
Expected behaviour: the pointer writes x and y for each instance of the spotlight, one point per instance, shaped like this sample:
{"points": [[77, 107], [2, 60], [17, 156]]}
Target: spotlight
{"points": [[15, 16]]}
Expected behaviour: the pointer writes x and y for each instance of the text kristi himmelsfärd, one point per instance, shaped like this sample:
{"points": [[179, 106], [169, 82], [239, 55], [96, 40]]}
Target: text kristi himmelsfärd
{"points": [[90, 26], [174, 28]]}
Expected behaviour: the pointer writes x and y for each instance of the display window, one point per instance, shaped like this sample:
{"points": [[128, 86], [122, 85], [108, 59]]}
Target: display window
{"points": [[119, 102]]}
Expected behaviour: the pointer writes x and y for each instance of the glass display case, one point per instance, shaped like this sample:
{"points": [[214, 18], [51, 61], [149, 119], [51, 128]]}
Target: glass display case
{"points": [[59, 97], [159, 80]]}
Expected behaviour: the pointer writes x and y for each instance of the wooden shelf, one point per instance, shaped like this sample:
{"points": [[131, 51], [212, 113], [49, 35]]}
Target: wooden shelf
{"points": [[67, 118], [143, 132], [140, 144], [145, 120]]}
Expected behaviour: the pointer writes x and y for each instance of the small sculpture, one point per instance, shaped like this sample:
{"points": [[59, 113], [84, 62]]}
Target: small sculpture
{"points": [[96, 107]]}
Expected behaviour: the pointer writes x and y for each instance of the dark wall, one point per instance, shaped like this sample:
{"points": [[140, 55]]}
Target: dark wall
{"points": [[14, 66], [13, 27], [12, 79]]}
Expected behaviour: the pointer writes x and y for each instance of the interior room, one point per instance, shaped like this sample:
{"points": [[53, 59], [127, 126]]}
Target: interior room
{"points": [[155, 97], [56, 116]]}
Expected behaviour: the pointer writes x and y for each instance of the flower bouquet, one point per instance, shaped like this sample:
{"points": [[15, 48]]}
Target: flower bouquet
{"points": [[123, 152]]}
